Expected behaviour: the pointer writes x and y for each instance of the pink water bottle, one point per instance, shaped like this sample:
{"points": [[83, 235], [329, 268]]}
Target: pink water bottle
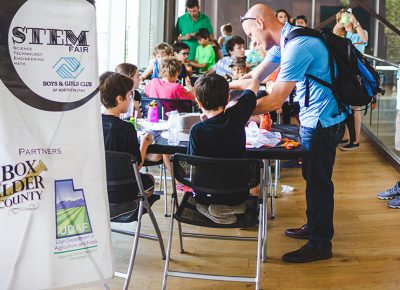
{"points": [[152, 112]]}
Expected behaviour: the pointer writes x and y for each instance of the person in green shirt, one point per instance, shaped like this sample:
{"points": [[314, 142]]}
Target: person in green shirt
{"points": [[205, 54], [189, 24]]}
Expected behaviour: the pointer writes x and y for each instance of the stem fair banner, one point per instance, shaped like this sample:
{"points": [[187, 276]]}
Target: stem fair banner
{"points": [[54, 215]]}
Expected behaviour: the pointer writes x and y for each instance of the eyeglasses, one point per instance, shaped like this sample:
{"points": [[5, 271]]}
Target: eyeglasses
{"points": [[243, 18]]}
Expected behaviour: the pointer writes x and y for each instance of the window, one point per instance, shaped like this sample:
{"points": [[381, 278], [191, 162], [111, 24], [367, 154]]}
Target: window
{"points": [[102, 15]]}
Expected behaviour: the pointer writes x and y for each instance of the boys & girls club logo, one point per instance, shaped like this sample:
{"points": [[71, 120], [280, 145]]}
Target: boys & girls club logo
{"points": [[68, 67], [51, 63]]}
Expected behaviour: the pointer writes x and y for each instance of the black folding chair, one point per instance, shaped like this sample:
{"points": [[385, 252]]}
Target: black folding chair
{"points": [[164, 106], [163, 181], [123, 174], [217, 177]]}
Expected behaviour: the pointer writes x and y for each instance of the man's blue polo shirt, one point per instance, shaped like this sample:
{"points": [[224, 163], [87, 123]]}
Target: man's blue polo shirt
{"points": [[308, 55]]}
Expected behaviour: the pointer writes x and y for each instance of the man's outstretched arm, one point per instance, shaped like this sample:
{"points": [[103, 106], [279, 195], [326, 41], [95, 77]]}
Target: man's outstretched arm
{"points": [[274, 101]]}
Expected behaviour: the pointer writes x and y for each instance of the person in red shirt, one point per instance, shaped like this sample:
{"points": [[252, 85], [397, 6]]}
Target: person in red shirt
{"points": [[167, 87]]}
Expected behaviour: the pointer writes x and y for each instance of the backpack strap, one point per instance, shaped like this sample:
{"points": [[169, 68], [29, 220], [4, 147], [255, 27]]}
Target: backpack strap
{"points": [[305, 31], [301, 31], [318, 80]]}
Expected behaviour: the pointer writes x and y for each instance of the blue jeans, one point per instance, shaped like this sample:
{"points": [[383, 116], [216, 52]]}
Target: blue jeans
{"points": [[320, 145]]}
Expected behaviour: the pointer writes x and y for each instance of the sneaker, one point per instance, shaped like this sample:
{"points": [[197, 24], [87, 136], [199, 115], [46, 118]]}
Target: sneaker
{"points": [[220, 210], [228, 220], [350, 146], [394, 203], [344, 141], [391, 192], [180, 188], [187, 189]]}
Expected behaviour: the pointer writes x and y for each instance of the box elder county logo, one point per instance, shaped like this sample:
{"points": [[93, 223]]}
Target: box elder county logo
{"points": [[68, 67], [21, 182]]}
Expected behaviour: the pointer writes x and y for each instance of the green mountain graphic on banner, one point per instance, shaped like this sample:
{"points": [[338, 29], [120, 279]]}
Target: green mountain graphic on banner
{"points": [[72, 218]]}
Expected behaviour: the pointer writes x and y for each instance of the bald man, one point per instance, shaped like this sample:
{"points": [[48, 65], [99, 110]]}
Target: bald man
{"points": [[321, 121]]}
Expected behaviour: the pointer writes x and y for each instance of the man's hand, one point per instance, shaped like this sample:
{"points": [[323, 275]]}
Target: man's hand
{"points": [[274, 101]]}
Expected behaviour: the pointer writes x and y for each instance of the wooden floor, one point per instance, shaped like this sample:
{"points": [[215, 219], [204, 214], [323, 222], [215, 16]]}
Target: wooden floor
{"points": [[366, 245]]}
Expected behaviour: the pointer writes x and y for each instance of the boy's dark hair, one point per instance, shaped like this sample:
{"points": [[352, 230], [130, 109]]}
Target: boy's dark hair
{"points": [[113, 84], [238, 63], [126, 69], [203, 33], [192, 3], [301, 17], [178, 46], [230, 44], [284, 11], [227, 28], [212, 91]]}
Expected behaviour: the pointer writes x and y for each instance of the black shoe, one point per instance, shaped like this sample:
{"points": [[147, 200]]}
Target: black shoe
{"points": [[344, 141], [350, 146], [299, 233], [307, 254]]}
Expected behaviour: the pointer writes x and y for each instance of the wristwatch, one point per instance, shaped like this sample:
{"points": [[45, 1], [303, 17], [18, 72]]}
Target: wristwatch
{"points": [[357, 24]]}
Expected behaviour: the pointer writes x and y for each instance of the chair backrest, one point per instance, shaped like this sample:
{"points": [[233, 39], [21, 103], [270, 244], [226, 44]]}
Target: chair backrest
{"points": [[120, 173], [167, 105], [217, 175]]}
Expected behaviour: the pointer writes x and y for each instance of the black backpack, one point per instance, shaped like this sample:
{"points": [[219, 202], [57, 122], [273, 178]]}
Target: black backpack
{"points": [[356, 82]]}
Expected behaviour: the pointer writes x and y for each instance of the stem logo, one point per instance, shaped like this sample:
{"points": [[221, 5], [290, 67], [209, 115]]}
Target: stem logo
{"points": [[72, 218], [68, 68], [43, 42]]}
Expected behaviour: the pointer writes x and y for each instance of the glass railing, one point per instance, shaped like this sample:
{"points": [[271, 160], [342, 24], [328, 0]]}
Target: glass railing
{"points": [[380, 123]]}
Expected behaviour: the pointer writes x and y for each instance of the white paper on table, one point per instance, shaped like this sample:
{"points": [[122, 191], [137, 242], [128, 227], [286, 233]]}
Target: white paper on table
{"points": [[259, 138], [145, 125], [182, 136]]}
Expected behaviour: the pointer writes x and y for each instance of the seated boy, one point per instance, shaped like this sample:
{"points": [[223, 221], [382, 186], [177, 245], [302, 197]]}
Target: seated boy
{"points": [[160, 51], [167, 87], [221, 135], [205, 54], [121, 136], [236, 49], [239, 68], [181, 52]]}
